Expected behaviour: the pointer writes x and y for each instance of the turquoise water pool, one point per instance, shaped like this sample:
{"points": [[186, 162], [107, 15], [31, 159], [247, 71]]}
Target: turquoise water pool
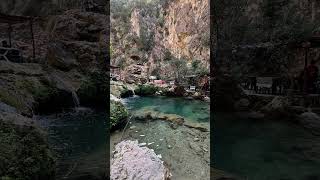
{"points": [[265, 150], [194, 110], [79, 142]]}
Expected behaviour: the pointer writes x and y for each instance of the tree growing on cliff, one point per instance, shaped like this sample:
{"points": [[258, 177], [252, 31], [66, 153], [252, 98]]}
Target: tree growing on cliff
{"points": [[146, 39], [180, 69]]}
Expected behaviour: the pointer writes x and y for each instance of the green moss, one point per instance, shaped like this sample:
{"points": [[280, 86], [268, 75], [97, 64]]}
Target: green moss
{"points": [[24, 154], [126, 93], [118, 113], [146, 90], [41, 91], [94, 88], [10, 99]]}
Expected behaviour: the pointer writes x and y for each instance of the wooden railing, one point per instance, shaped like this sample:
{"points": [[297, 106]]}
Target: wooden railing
{"points": [[266, 85], [10, 54]]}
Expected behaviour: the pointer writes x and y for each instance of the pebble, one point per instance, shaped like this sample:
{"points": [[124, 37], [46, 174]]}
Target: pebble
{"points": [[132, 127], [142, 144], [196, 139], [136, 131], [159, 156], [169, 146], [150, 143], [157, 145], [142, 135], [161, 139]]}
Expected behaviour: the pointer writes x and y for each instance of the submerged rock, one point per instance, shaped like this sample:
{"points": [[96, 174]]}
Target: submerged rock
{"points": [[130, 161], [277, 107], [310, 121], [150, 114], [242, 105]]}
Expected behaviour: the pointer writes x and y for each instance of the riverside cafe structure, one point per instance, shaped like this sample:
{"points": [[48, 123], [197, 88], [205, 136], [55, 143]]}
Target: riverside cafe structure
{"points": [[10, 53]]}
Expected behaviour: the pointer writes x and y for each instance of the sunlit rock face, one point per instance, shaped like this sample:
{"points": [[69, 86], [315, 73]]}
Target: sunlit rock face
{"points": [[186, 29], [159, 34]]}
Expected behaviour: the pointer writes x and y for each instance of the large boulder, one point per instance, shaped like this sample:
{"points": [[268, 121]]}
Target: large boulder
{"points": [[60, 58], [278, 107], [179, 91], [24, 150], [130, 161], [120, 89], [29, 88]]}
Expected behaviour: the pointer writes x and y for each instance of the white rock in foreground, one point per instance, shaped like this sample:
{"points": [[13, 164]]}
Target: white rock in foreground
{"points": [[133, 162]]}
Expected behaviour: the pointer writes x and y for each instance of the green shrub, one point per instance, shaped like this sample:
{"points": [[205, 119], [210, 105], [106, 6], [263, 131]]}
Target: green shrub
{"points": [[118, 113], [126, 93], [10, 99], [146, 90], [24, 154]]}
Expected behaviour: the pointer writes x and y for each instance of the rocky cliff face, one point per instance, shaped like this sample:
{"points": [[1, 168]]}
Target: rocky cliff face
{"points": [[153, 35], [256, 36], [186, 29], [44, 7], [71, 47]]}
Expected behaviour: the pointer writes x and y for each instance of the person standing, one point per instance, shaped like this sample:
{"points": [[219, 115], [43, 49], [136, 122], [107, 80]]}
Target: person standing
{"points": [[5, 44], [312, 75]]}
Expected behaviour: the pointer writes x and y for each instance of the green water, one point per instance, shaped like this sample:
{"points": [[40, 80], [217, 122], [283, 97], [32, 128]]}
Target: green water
{"points": [[265, 150], [194, 110], [79, 141]]}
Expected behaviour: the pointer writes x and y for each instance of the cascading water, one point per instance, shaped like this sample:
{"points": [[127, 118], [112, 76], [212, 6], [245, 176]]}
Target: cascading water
{"points": [[134, 93], [75, 98]]}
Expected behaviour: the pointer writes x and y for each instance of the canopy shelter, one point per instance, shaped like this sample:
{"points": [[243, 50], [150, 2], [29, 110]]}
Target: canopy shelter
{"points": [[11, 20], [191, 82]]}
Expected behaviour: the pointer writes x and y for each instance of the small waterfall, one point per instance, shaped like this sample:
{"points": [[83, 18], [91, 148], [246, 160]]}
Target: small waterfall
{"points": [[75, 99], [134, 93]]}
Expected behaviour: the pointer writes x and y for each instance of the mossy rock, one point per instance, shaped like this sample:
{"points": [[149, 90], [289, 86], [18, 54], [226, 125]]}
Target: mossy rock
{"points": [[146, 90], [126, 93], [24, 154], [11, 99], [93, 89], [118, 113]]}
